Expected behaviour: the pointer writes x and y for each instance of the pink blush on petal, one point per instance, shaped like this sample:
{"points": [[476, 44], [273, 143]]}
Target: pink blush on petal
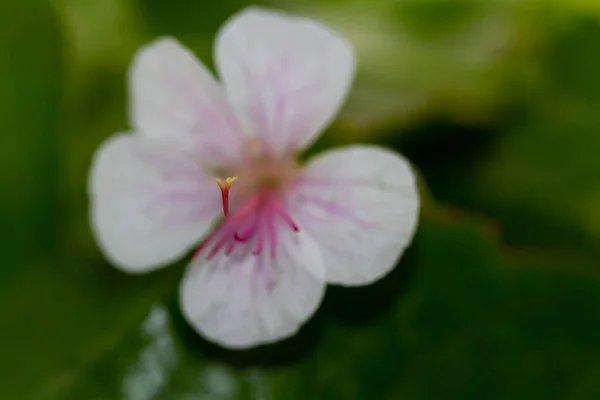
{"points": [[252, 228]]}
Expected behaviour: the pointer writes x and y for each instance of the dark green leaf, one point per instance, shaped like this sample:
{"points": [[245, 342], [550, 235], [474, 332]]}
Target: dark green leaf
{"points": [[538, 172], [454, 321]]}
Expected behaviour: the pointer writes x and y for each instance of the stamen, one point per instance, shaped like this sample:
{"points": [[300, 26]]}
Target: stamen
{"points": [[272, 235], [230, 247], [285, 216], [218, 246], [246, 236], [225, 187], [204, 244], [259, 241], [252, 226]]}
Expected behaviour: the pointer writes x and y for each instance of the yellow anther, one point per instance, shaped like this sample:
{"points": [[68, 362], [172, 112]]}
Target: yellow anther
{"points": [[227, 184]]}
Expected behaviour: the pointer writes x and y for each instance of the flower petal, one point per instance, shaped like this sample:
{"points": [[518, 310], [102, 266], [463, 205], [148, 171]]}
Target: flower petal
{"points": [[174, 96], [149, 202], [244, 300], [360, 203], [286, 76]]}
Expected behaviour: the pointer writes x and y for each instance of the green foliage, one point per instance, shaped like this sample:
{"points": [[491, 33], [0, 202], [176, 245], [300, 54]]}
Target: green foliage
{"points": [[497, 297], [30, 83], [538, 172], [456, 320]]}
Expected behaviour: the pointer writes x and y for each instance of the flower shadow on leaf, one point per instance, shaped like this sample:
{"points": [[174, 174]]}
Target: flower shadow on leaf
{"points": [[365, 304]]}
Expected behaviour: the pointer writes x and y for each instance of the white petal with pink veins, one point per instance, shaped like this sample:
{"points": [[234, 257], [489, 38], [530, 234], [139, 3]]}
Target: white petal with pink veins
{"points": [[174, 96], [149, 202], [286, 76], [360, 204], [243, 300]]}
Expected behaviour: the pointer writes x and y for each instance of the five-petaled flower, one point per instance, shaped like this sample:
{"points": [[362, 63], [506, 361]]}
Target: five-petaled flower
{"points": [[280, 230]]}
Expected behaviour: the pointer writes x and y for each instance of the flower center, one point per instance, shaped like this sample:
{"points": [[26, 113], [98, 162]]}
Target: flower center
{"points": [[254, 225]]}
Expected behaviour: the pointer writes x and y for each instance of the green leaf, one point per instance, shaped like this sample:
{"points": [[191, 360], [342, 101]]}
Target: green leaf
{"points": [[456, 320], [539, 174], [460, 318], [437, 19], [30, 77], [62, 317], [60, 306], [183, 17], [440, 57]]}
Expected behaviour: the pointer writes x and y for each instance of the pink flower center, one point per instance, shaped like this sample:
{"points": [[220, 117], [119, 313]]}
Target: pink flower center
{"points": [[254, 224]]}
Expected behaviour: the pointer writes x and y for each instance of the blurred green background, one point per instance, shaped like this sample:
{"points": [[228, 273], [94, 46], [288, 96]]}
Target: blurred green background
{"points": [[497, 104]]}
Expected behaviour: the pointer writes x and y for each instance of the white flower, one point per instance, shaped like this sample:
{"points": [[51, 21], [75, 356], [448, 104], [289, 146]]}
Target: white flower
{"points": [[343, 218]]}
